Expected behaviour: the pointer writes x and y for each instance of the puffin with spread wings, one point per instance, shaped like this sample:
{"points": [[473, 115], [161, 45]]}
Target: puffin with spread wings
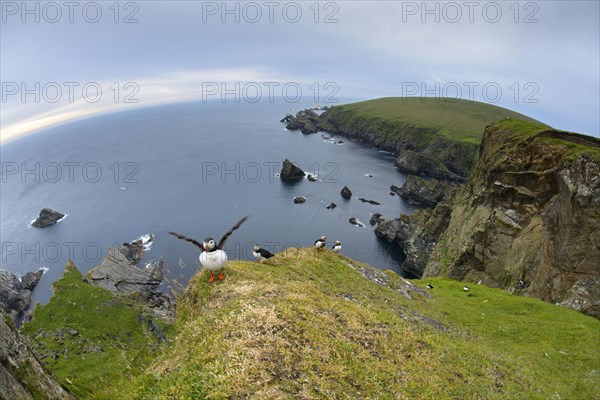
{"points": [[212, 257]]}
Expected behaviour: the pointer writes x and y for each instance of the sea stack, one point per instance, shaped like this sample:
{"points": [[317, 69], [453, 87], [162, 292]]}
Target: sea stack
{"points": [[47, 217], [346, 193], [290, 171]]}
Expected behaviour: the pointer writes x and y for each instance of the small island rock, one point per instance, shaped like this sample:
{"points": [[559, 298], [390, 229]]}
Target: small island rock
{"points": [[290, 171], [299, 199], [346, 192], [47, 217]]}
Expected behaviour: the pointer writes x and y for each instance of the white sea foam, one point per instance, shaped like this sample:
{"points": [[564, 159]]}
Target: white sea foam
{"points": [[147, 241], [20, 277], [359, 224]]}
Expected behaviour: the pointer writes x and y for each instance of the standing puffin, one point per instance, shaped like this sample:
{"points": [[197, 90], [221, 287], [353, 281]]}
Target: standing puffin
{"points": [[337, 247], [320, 243], [261, 254], [212, 257]]}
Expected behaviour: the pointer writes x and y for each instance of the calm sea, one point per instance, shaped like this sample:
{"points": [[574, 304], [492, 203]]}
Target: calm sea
{"points": [[195, 168]]}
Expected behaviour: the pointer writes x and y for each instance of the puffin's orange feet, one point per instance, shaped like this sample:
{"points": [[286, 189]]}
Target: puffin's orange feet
{"points": [[212, 278], [221, 276]]}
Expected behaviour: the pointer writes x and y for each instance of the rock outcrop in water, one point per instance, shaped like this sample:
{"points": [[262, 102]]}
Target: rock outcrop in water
{"points": [[307, 121], [346, 192], [119, 275], [47, 217], [290, 171], [15, 294], [134, 251], [21, 374], [369, 201]]}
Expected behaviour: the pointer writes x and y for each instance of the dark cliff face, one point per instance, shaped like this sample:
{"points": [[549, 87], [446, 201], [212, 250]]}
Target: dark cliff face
{"points": [[417, 234], [529, 218]]}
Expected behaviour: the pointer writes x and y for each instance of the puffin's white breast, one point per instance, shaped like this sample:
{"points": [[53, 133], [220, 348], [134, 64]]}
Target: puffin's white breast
{"points": [[213, 260]]}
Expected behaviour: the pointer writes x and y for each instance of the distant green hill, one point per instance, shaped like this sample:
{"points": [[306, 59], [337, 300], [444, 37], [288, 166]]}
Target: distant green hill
{"points": [[444, 130], [457, 119], [309, 325]]}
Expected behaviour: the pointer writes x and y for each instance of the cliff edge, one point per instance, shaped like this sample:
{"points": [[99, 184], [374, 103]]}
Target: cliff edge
{"points": [[528, 220]]}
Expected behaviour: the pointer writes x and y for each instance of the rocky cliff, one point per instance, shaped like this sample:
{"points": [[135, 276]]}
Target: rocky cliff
{"points": [[417, 234], [16, 294], [528, 220], [21, 374]]}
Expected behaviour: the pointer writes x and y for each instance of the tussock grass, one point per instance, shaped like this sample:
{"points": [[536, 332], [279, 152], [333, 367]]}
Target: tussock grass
{"points": [[306, 325]]}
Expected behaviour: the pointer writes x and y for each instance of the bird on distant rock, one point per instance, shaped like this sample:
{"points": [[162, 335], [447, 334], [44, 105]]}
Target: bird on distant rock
{"points": [[261, 254], [429, 286], [337, 247], [212, 257], [320, 243], [466, 288]]}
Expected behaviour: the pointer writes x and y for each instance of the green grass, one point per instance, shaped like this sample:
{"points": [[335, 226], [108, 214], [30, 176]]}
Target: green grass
{"points": [[575, 150], [553, 351], [306, 325], [89, 339], [456, 119]]}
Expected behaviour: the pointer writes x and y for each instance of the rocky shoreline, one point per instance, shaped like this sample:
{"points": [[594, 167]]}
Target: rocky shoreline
{"points": [[16, 292]]}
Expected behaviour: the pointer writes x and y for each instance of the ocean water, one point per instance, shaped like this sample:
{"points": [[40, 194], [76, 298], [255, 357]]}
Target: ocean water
{"points": [[194, 168]]}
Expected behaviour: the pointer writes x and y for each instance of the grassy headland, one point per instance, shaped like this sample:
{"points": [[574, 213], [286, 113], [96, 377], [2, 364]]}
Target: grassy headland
{"points": [[446, 130]]}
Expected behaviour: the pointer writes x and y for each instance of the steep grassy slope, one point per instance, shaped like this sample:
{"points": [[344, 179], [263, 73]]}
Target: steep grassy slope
{"points": [[90, 339], [309, 325]]}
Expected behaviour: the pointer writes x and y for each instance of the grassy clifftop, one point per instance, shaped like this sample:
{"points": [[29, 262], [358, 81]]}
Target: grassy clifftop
{"points": [[445, 130], [456, 119], [310, 325]]}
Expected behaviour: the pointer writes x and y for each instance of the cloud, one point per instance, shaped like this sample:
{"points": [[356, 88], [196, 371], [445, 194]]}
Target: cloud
{"points": [[23, 117]]}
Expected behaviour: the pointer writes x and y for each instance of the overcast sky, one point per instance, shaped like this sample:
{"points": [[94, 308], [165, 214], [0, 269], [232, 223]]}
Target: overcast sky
{"points": [[539, 58]]}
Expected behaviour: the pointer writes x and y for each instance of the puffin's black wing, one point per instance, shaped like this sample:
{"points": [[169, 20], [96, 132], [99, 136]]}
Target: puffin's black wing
{"points": [[265, 253], [229, 232], [187, 239]]}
